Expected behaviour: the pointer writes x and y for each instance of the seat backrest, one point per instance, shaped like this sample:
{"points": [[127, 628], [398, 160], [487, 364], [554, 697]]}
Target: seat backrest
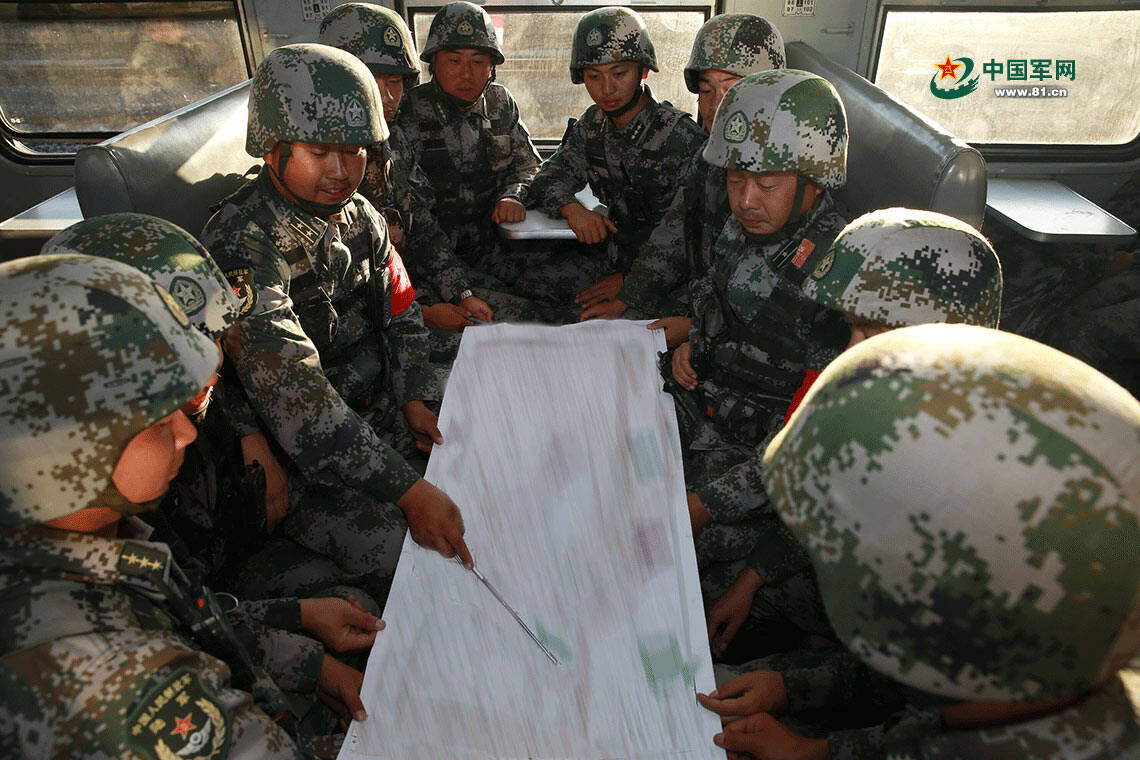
{"points": [[174, 167], [896, 156]]}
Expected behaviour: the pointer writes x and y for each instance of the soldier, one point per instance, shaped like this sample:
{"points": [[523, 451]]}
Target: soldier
{"points": [[630, 148], [890, 268], [330, 345], [782, 137], [106, 650], [726, 48], [973, 540], [398, 188], [466, 135]]}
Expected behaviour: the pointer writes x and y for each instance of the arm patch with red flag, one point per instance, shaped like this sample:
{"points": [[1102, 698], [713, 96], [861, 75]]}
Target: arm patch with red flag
{"points": [[402, 291]]}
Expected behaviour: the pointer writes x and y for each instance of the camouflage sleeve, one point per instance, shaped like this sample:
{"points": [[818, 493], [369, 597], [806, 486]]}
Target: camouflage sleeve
{"points": [[657, 282], [130, 693], [838, 680], [431, 252], [238, 408], [281, 371], [777, 555], [562, 175], [524, 158], [292, 659], [408, 346], [738, 492], [901, 736]]}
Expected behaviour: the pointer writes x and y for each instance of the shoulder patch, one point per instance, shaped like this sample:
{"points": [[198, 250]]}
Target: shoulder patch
{"points": [[180, 717], [241, 280]]}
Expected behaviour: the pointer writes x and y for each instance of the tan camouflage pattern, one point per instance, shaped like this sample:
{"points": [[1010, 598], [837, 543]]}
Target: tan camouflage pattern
{"points": [[315, 94], [904, 267], [91, 352], [166, 253], [462, 25], [374, 34], [609, 35], [969, 501], [783, 120], [736, 43]]}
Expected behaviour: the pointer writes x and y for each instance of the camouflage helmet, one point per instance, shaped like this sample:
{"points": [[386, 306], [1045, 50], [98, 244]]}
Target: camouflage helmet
{"points": [[461, 25], [374, 34], [315, 94], [166, 253], [783, 120], [969, 500], [736, 43], [902, 267], [92, 351], [609, 35]]}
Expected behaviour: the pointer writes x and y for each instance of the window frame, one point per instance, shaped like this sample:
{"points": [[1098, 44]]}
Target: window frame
{"points": [[1011, 152], [10, 138]]}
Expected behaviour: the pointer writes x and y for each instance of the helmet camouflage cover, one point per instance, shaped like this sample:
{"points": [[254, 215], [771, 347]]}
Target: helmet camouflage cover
{"points": [[609, 35], [736, 43], [461, 25], [903, 267], [374, 34], [316, 94], [92, 351], [784, 120], [969, 499], [165, 252]]}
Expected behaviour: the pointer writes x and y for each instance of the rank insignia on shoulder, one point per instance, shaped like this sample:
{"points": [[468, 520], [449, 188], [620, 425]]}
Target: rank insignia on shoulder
{"points": [[139, 560], [241, 280], [180, 717]]}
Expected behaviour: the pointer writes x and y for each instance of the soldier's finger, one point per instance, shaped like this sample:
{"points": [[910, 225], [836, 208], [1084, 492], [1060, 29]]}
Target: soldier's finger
{"points": [[610, 224], [462, 551]]}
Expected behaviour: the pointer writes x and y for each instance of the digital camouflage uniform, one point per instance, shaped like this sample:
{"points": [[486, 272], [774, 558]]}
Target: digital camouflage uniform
{"points": [[973, 538], [392, 180], [677, 250], [472, 156], [329, 345], [754, 330], [97, 654], [634, 171]]}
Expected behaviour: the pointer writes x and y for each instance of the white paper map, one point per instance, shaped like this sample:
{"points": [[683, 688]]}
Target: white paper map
{"points": [[561, 450]]}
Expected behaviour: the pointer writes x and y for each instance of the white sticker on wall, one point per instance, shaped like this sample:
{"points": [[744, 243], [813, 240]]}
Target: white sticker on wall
{"points": [[799, 7], [315, 10]]}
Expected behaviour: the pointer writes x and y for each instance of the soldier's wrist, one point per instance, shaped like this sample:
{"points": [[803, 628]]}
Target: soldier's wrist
{"points": [[463, 295]]}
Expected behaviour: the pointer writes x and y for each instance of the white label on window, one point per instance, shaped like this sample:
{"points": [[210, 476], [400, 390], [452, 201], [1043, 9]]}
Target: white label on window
{"points": [[314, 10], [799, 7]]}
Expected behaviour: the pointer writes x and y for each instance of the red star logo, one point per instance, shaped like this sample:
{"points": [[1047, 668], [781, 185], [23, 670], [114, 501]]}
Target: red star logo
{"points": [[183, 726], [948, 69]]}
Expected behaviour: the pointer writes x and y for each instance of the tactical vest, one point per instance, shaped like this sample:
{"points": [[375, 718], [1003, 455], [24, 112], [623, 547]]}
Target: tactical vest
{"points": [[318, 311], [755, 391], [450, 185], [636, 195]]}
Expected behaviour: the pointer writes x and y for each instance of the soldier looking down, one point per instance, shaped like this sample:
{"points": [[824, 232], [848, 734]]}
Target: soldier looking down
{"points": [[628, 147], [330, 345]]}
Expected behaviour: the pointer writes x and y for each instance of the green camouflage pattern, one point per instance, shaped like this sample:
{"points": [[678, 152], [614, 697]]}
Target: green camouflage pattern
{"points": [[609, 35], [736, 43], [165, 252], [374, 34], [784, 120], [462, 25], [904, 267], [97, 662], [92, 351], [968, 499], [315, 94]]}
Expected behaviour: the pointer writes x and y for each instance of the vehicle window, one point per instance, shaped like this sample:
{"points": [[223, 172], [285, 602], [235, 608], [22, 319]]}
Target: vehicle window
{"points": [[536, 45], [90, 69], [1057, 77]]}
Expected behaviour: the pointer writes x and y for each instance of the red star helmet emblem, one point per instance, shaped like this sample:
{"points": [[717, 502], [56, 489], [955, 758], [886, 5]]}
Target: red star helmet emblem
{"points": [[948, 69]]}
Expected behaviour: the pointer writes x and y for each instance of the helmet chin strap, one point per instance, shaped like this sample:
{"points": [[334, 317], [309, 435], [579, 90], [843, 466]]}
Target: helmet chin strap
{"points": [[319, 210]]}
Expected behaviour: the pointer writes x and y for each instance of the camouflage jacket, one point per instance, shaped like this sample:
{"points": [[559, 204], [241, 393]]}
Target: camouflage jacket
{"points": [[677, 253], [1104, 725], [473, 158], [633, 170], [98, 656], [427, 250], [754, 331], [306, 347]]}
